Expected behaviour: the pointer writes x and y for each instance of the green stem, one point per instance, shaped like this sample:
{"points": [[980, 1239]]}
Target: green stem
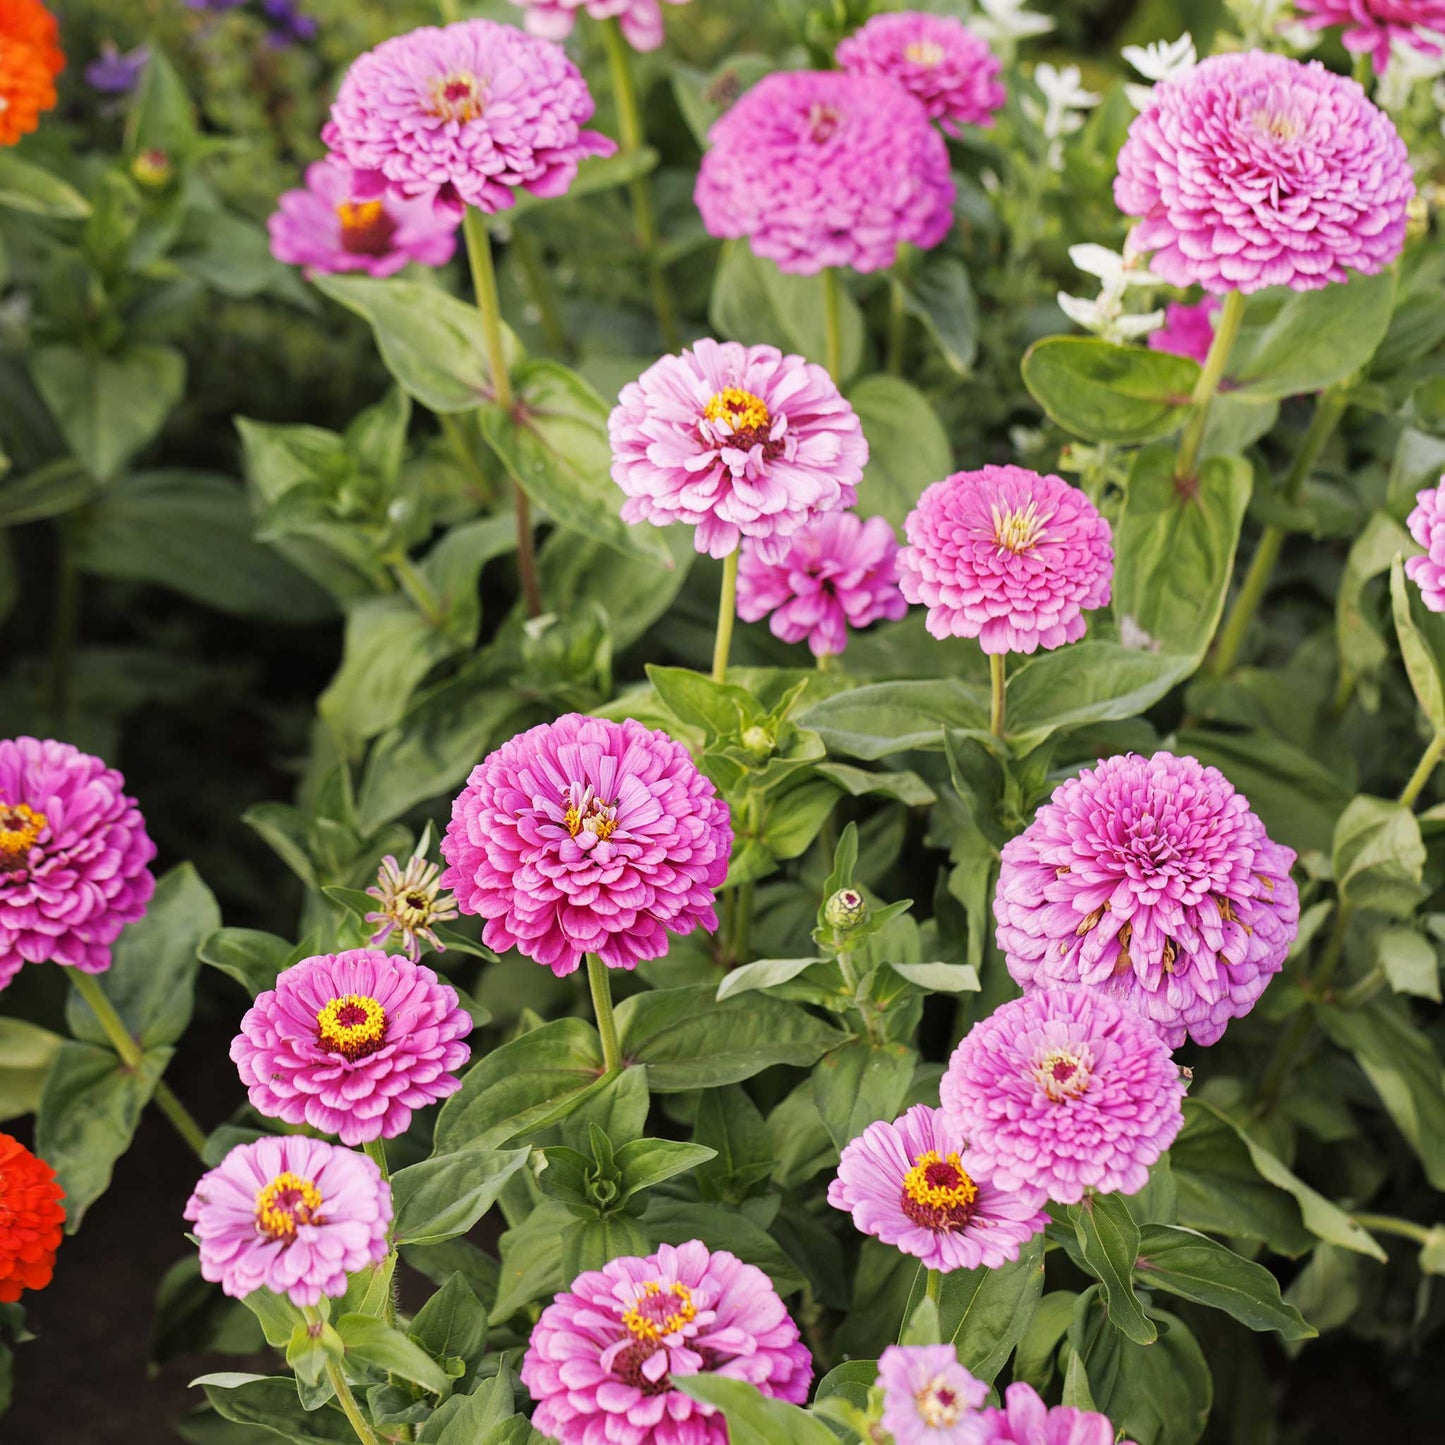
{"points": [[348, 1404], [539, 287], [833, 323], [631, 138], [1225, 333], [897, 321], [182, 1121], [375, 1150], [1388, 1224], [998, 679], [1363, 69], [1429, 761], [65, 630], [1290, 1044], [933, 1286], [449, 11], [727, 609], [418, 589], [600, 982]]}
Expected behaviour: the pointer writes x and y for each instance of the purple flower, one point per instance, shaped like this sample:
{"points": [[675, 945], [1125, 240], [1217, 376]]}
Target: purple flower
{"points": [[1150, 880], [289, 26], [112, 73], [839, 572], [292, 1215], [824, 168], [1187, 330], [1427, 527], [326, 226], [74, 856], [934, 57], [1252, 170], [1064, 1090], [1370, 25], [588, 836], [929, 1398], [640, 20], [1026, 1420], [737, 441], [914, 1184], [1007, 556], [464, 116], [603, 1356]]}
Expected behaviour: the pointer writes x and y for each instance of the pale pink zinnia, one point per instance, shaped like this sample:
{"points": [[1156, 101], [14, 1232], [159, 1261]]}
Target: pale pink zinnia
{"points": [[464, 115], [914, 1184], [1007, 556], [934, 57], [824, 168], [840, 572], [1253, 170], [1150, 880], [737, 441], [929, 1398], [327, 227], [74, 856], [1064, 1090], [639, 20], [586, 835], [293, 1215], [1371, 25], [351, 1043], [604, 1355], [1024, 1419], [1427, 527], [1187, 330]]}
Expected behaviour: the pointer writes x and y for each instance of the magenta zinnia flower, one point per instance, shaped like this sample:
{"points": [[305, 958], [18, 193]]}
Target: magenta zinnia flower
{"points": [[1007, 556], [1187, 330], [1150, 880], [839, 572], [1252, 170], [639, 20], [934, 57], [463, 116], [1064, 1090], [1427, 527], [325, 227], [588, 836], [73, 857], [737, 441], [929, 1398], [914, 1185], [1026, 1420], [292, 1215], [824, 168], [1370, 25], [351, 1043], [603, 1356]]}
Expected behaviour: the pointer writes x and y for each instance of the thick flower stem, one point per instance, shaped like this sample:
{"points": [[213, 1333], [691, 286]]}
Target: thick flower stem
{"points": [[997, 676], [1429, 761], [727, 608], [933, 1286], [833, 323], [629, 124], [897, 321], [375, 1150], [1225, 334], [337, 1376], [600, 982], [418, 589]]}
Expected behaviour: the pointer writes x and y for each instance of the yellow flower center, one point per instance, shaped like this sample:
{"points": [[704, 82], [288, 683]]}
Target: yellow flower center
{"points": [[458, 97], [587, 813], [938, 1192], [739, 410], [658, 1312], [938, 1403], [285, 1203], [353, 1025], [925, 52], [20, 830], [1063, 1073], [1018, 531], [1281, 127], [366, 228]]}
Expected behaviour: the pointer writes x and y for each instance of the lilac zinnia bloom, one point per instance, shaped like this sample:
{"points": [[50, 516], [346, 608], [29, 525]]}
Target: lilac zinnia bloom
{"points": [[464, 116], [1370, 25], [1150, 880], [1252, 170], [586, 835], [1187, 330], [1026, 1420], [934, 57], [74, 856], [112, 73], [1007, 556], [737, 441], [603, 1357], [824, 168], [839, 572], [639, 20], [1067, 1091], [929, 1398], [1427, 527], [326, 226], [350, 1043], [915, 1185], [289, 26], [292, 1215]]}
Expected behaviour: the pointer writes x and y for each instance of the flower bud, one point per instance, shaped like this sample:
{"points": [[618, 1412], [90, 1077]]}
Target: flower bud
{"points": [[846, 909], [758, 741], [152, 169]]}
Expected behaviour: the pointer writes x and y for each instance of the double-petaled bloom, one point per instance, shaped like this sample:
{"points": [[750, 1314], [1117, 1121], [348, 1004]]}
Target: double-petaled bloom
{"points": [[31, 1218], [639, 20], [30, 59], [1427, 527]]}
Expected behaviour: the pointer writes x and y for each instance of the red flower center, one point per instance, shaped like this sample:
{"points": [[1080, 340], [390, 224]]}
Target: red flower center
{"points": [[627, 1366], [823, 122], [938, 1194], [352, 1025], [458, 97], [367, 228]]}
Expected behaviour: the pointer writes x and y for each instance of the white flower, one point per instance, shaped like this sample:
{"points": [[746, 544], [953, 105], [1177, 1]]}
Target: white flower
{"points": [[1164, 59], [1114, 270], [1408, 69], [1062, 114], [1105, 317], [1005, 22]]}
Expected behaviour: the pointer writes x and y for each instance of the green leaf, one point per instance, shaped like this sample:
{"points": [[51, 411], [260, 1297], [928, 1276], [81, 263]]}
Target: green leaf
{"points": [[445, 1195], [644, 1163], [1410, 962], [1109, 1239], [763, 974], [939, 977], [590, 1244], [940, 295], [162, 116], [859, 1083], [752, 1418], [1363, 650], [984, 1313], [470, 1419], [29, 188], [894, 717], [26, 1053], [1379, 856], [908, 448], [270, 1404], [720, 1226], [373, 1342], [248, 955], [50, 491], [1108, 393], [731, 1125], [1422, 644]]}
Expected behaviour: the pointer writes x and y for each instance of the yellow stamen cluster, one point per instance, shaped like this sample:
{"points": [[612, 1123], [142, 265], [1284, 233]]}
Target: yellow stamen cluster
{"points": [[20, 830], [352, 1024], [1018, 531], [457, 97], [922, 1189], [1064, 1075], [925, 52], [587, 812], [938, 1404], [739, 410], [285, 1203], [645, 1319]]}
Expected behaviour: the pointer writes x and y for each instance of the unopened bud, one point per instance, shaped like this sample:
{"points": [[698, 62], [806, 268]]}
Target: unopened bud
{"points": [[847, 908], [758, 741], [152, 169]]}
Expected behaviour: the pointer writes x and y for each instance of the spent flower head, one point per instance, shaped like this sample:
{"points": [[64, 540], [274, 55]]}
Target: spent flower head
{"points": [[411, 902]]}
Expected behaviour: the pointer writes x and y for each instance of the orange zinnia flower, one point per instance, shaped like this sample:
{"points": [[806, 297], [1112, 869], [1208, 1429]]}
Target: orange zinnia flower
{"points": [[30, 59], [30, 1216]]}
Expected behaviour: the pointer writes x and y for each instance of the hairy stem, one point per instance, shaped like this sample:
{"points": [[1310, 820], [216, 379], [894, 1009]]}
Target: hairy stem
{"points": [[599, 981], [833, 323], [998, 679]]}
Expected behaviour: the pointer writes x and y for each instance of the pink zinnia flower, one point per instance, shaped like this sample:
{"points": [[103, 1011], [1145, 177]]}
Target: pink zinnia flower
{"points": [[292, 1215], [1007, 556], [73, 857], [603, 1356], [737, 441], [929, 1398], [934, 57], [1064, 1090], [351, 1043], [1150, 880], [915, 1185], [1370, 25], [1252, 170], [325, 227], [639, 20], [463, 116], [839, 572], [588, 836], [1026, 1420], [1427, 527], [824, 168], [1187, 330]]}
